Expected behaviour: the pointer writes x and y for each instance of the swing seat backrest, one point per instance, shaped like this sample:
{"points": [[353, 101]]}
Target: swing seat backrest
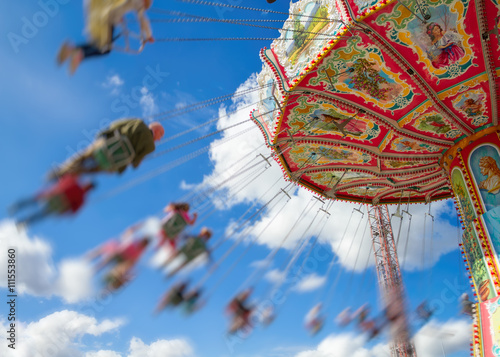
{"points": [[174, 225], [115, 153], [194, 247]]}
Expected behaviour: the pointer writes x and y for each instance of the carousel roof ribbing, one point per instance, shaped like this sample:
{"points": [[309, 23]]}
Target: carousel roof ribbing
{"points": [[363, 106]]}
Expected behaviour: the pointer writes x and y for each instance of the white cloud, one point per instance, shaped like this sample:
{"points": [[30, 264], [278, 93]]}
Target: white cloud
{"points": [[439, 240], [71, 279], [147, 102], [453, 334], [310, 282], [275, 276], [232, 156], [177, 347], [164, 348], [343, 345], [103, 353], [354, 251], [354, 248], [57, 334], [187, 186], [75, 280], [180, 105], [114, 82], [149, 227], [257, 264]]}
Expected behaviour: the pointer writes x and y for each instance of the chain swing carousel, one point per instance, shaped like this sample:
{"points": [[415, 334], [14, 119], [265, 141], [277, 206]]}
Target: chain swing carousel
{"points": [[384, 101]]}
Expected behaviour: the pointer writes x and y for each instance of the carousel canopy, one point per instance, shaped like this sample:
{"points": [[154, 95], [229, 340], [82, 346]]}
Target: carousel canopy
{"points": [[361, 100]]}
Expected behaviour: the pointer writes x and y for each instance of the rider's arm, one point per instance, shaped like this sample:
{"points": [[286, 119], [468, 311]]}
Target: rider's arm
{"points": [[146, 146]]}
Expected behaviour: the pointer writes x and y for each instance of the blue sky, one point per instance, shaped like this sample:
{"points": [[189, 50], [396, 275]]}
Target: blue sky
{"points": [[48, 115]]}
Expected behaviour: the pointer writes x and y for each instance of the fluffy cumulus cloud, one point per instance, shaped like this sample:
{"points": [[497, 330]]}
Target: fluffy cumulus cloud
{"points": [[137, 348], [274, 276], [423, 241], [103, 353], [114, 83], [305, 284], [430, 341], [57, 335], [343, 345], [165, 348], [286, 221], [310, 282], [451, 336], [71, 279], [348, 233], [231, 158], [147, 102], [75, 280]]}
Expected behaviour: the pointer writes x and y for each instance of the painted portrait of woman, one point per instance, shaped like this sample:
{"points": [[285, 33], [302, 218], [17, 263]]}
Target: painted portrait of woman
{"points": [[445, 46], [484, 163]]}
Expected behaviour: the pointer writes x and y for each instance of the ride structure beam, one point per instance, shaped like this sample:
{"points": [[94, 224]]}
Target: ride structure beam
{"points": [[389, 279]]}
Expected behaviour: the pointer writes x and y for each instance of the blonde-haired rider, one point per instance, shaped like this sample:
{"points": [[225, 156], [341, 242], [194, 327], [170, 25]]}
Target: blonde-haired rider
{"points": [[102, 18]]}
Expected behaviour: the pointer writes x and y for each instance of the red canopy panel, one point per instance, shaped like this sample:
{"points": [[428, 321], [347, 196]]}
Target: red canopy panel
{"points": [[372, 99]]}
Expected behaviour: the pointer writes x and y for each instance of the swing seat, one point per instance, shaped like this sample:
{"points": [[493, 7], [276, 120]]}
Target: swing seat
{"points": [[173, 226], [316, 327], [115, 153], [57, 204], [191, 303], [193, 248], [126, 34], [116, 281], [175, 299]]}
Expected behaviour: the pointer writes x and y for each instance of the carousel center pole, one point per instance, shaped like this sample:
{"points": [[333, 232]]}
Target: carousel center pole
{"points": [[390, 281]]}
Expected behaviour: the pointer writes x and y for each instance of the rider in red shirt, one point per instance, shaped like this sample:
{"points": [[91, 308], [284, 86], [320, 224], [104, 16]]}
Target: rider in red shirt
{"points": [[66, 196], [240, 312]]}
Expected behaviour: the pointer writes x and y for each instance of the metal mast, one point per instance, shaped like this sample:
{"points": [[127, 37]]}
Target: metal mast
{"points": [[389, 279]]}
